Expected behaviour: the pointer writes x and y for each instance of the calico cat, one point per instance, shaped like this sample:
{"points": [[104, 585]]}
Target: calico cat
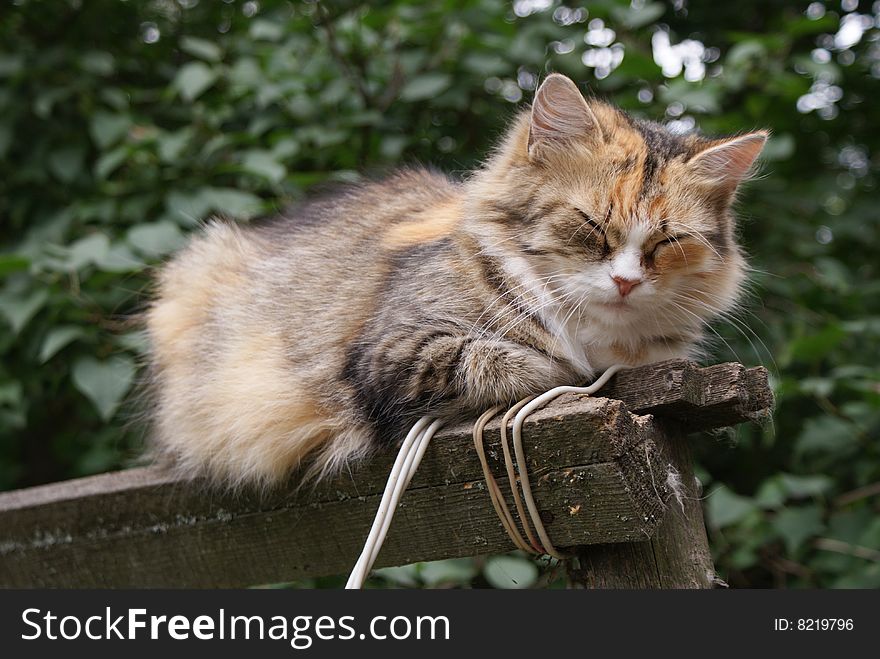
{"points": [[588, 238]]}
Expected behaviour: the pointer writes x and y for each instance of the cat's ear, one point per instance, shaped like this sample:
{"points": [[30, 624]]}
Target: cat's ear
{"points": [[560, 115], [731, 161]]}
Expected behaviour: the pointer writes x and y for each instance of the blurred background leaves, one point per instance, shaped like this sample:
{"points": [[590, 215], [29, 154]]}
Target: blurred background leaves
{"points": [[124, 124]]}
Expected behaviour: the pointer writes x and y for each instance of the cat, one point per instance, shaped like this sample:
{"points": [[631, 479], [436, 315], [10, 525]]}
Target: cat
{"points": [[587, 238]]}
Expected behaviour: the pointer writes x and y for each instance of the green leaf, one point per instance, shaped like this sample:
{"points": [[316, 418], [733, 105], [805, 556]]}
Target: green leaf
{"points": [[510, 572], [103, 209], [814, 346], [246, 73], [335, 92], [171, 145], [67, 163], [771, 494], [115, 98], [263, 30], [850, 525], [263, 164], [834, 274], [425, 86], [636, 16], [104, 382], [107, 129], [188, 208], [10, 263], [286, 148], [98, 62], [201, 48], [46, 100], [779, 147], [799, 487], [19, 309], [817, 386], [487, 64], [450, 571], [58, 338], [725, 507], [870, 536], [702, 97], [234, 203], [10, 65], [393, 145], [783, 487], [110, 162], [193, 79], [745, 51], [88, 250], [404, 575], [11, 393], [154, 239], [136, 341], [827, 434], [119, 258], [794, 525]]}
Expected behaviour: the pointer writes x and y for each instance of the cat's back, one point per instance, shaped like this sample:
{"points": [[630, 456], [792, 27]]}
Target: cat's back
{"points": [[327, 253], [250, 325], [363, 213]]}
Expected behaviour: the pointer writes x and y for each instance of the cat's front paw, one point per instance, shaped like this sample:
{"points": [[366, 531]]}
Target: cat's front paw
{"points": [[501, 371]]}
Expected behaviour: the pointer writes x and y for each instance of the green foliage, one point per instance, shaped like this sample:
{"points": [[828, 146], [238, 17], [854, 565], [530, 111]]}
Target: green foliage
{"points": [[510, 571], [123, 125]]}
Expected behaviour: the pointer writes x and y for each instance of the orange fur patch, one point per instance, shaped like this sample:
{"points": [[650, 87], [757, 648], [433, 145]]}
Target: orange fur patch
{"points": [[255, 422], [677, 256], [625, 190], [657, 208], [428, 226]]}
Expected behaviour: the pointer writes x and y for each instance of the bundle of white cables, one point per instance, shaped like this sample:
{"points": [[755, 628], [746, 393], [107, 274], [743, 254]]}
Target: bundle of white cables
{"points": [[413, 449]]}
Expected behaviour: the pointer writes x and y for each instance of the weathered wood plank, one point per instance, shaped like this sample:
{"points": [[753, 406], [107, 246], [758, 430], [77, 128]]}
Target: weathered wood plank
{"points": [[140, 528], [700, 398], [599, 473]]}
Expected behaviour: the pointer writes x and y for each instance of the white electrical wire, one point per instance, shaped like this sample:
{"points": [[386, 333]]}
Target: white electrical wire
{"points": [[527, 409], [413, 449], [408, 458], [413, 461], [534, 546], [495, 493]]}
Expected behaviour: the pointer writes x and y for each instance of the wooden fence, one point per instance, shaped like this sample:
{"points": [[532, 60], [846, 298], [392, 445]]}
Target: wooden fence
{"points": [[612, 477]]}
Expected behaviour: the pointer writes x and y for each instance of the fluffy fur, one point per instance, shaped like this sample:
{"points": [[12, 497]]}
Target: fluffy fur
{"points": [[588, 238]]}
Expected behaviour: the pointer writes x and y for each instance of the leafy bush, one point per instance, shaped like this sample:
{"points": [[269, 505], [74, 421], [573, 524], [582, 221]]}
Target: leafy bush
{"points": [[123, 125]]}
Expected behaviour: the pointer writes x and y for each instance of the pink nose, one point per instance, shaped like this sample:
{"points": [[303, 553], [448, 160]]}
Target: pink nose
{"points": [[625, 285]]}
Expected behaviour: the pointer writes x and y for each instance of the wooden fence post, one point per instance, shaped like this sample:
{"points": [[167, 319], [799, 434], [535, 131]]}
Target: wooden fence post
{"points": [[677, 556]]}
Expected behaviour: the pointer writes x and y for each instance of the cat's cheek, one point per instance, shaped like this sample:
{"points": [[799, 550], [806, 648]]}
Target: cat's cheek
{"points": [[680, 257], [720, 289]]}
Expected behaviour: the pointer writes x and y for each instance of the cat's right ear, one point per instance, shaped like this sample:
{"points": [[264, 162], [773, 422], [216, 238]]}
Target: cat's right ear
{"points": [[560, 115]]}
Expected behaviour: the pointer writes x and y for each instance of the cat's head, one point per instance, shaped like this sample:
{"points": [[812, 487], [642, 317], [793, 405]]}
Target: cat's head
{"points": [[621, 216]]}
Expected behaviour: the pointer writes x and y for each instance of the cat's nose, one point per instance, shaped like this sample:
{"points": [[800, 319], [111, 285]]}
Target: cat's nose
{"points": [[624, 286]]}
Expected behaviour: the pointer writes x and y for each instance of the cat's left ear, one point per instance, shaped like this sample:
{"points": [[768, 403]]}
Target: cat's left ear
{"points": [[731, 161], [560, 115]]}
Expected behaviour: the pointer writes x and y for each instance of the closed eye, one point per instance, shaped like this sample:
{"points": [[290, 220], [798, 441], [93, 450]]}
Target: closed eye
{"points": [[589, 220], [667, 241], [596, 230]]}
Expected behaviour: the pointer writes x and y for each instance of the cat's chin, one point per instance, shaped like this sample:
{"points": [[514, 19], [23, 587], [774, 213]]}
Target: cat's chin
{"points": [[620, 313], [621, 306], [618, 310]]}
